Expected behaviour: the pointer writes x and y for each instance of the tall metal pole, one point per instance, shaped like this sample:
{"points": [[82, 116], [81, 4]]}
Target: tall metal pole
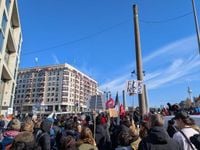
{"points": [[124, 99], [196, 24], [139, 70]]}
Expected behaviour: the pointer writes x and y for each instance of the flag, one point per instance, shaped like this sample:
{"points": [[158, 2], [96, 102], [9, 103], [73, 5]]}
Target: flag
{"points": [[121, 111], [117, 102], [117, 99], [110, 103]]}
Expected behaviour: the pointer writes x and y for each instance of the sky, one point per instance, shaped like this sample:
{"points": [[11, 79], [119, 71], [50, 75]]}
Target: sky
{"points": [[97, 37]]}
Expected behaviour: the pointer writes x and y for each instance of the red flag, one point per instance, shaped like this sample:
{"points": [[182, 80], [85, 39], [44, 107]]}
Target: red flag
{"points": [[121, 110], [110, 103]]}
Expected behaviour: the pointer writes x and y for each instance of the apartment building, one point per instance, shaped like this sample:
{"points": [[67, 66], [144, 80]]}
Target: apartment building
{"points": [[53, 88], [97, 102], [10, 47]]}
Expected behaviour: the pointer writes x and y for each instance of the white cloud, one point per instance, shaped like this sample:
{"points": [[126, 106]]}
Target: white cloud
{"points": [[172, 63]]}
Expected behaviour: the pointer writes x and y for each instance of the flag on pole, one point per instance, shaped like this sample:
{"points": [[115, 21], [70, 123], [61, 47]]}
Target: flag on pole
{"points": [[110, 103], [117, 102]]}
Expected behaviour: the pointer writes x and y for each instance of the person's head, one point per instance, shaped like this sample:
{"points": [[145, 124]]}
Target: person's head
{"points": [[156, 120], [124, 139], [46, 125], [98, 120], [86, 136], [14, 125], [27, 126], [183, 119], [67, 143], [127, 121]]}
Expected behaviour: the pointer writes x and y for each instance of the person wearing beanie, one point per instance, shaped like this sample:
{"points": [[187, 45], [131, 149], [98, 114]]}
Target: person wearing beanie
{"points": [[158, 138], [186, 131], [12, 131]]}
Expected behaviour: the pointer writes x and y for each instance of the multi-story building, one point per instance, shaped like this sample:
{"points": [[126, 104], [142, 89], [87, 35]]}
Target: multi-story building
{"points": [[53, 88], [97, 102], [10, 47]]}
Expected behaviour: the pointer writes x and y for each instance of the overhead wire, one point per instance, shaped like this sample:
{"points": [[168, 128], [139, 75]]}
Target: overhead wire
{"points": [[166, 20], [77, 40], [102, 31]]}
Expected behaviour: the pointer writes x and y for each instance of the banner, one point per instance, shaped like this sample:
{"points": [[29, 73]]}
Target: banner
{"points": [[134, 87], [113, 112]]}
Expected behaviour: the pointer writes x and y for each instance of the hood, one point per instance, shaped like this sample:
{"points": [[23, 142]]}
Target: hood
{"points": [[46, 125], [158, 135], [25, 136]]}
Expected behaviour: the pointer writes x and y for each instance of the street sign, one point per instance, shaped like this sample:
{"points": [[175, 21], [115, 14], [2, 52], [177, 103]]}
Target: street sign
{"points": [[134, 87]]}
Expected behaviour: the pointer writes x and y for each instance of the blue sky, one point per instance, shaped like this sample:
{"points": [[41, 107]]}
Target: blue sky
{"points": [[97, 37]]}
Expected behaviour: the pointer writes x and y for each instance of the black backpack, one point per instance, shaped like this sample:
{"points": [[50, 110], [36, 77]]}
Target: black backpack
{"points": [[195, 139]]}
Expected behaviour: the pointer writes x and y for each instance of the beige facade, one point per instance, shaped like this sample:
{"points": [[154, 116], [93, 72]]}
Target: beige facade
{"points": [[53, 88], [10, 46]]}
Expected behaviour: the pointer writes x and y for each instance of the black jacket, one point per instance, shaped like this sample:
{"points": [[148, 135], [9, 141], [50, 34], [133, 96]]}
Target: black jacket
{"points": [[158, 139], [101, 138]]}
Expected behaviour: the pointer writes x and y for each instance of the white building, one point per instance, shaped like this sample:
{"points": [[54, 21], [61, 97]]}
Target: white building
{"points": [[56, 88], [10, 47]]}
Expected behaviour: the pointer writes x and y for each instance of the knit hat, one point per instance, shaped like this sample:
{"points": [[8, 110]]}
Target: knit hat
{"points": [[14, 124], [181, 115]]}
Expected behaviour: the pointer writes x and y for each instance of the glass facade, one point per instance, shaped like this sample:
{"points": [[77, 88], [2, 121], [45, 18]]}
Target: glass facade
{"points": [[1, 40], [4, 22]]}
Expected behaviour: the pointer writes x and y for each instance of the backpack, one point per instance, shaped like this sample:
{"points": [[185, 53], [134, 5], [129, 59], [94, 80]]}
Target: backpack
{"points": [[195, 139]]}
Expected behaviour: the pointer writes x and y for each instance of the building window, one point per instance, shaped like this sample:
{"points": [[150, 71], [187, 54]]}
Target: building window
{"points": [[4, 22]]}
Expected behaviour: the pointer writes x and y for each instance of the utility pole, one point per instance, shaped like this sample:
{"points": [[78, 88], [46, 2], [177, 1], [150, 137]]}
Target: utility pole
{"points": [[196, 24], [139, 69], [124, 99]]}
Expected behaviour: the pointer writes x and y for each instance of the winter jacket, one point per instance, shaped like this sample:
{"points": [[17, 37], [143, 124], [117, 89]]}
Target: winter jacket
{"points": [[8, 138], [24, 141], [158, 139], [101, 138], [43, 136]]}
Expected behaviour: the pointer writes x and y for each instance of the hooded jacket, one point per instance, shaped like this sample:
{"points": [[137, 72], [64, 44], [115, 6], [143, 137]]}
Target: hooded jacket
{"points": [[158, 139], [43, 136]]}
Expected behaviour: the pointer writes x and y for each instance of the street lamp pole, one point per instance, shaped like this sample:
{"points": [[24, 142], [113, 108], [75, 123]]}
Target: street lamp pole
{"points": [[139, 69]]}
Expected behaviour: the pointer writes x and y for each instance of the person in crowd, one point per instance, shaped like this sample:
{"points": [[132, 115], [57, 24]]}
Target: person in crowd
{"points": [[12, 131], [171, 129], [135, 136], [101, 138], [69, 130], [157, 137], [86, 141], [68, 143], [43, 135], [25, 140], [144, 129], [185, 124], [124, 141]]}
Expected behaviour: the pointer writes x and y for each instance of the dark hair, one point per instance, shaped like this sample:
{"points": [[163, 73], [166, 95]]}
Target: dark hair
{"points": [[189, 121], [157, 120], [67, 143], [124, 138]]}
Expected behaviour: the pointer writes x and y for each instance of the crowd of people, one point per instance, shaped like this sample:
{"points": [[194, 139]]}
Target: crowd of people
{"points": [[82, 132]]}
